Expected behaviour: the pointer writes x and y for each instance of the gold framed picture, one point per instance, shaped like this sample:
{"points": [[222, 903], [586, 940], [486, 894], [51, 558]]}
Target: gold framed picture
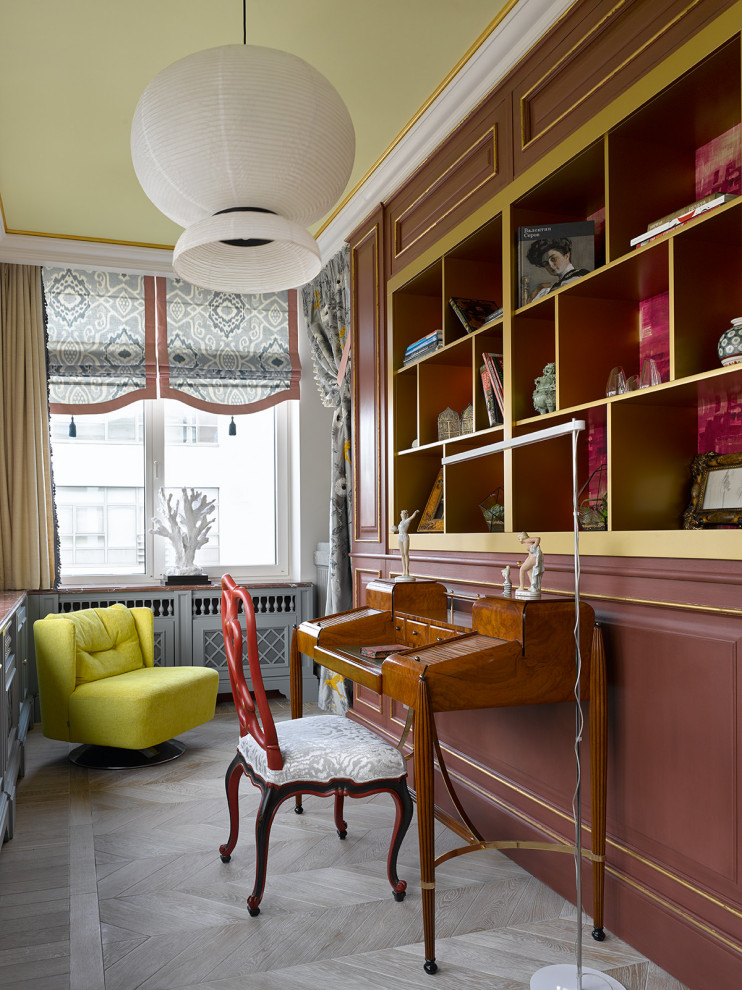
{"points": [[431, 520], [716, 492]]}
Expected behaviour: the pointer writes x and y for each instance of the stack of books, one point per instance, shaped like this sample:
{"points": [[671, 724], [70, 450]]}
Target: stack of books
{"points": [[425, 345], [682, 216], [491, 375]]}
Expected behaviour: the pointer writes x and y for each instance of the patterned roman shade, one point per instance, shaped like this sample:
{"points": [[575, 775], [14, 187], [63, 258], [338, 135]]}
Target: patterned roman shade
{"points": [[114, 339], [225, 349], [100, 329]]}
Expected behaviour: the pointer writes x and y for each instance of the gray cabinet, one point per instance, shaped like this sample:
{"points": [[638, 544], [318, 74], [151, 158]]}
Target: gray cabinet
{"points": [[15, 705]]}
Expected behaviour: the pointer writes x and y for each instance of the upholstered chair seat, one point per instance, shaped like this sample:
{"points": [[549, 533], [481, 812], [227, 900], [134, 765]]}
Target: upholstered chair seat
{"points": [[328, 748]]}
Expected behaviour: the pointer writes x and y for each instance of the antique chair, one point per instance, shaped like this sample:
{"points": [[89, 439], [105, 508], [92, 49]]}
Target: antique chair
{"points": [[320, 755], [98, 686]]}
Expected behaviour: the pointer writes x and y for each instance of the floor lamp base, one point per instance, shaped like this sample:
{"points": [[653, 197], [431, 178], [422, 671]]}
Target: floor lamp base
{"points": [[564, 977]]}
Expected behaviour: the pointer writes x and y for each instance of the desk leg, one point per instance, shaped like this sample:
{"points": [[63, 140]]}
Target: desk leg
{"points": [[599, 771], [295, 679], [297, 697], [424, 736]]}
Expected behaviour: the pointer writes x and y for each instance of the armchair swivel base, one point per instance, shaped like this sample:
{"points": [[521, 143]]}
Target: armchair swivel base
{"points": [[114, 758]]}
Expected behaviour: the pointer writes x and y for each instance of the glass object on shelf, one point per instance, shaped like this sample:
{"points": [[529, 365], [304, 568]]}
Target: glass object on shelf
{"points": [[632, 384], [593, 510], [730, 343], [467, 419], [449, 424], [493, 510], [616, 384], [650, 374], [544, 395]]}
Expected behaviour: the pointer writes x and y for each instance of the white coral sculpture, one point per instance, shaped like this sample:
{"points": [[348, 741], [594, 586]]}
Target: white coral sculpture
{"points": [[187, 530]]}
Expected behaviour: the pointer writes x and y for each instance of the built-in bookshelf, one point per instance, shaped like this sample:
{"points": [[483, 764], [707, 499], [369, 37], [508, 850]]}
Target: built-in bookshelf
{"points": [[667, 301]]}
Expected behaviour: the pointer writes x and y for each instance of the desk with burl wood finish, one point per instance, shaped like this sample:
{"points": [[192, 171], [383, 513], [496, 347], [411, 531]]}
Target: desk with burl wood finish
{"points": [[518, 652]]}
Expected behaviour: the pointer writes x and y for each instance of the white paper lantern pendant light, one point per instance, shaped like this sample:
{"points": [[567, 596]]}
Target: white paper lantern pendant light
{"points": [[244, 147]]}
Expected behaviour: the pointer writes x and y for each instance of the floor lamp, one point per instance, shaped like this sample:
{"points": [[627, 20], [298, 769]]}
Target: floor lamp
{"points": [[563, 976]]}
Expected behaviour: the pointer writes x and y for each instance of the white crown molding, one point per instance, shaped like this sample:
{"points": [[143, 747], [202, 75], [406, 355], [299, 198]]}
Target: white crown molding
{"points": [[517, 33], [26, 249]]}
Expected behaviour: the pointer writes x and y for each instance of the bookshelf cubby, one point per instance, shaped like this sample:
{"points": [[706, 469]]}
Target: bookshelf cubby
{"points": [[668, 300]]}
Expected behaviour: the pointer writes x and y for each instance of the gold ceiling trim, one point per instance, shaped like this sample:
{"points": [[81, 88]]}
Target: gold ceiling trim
{"points": [[77, 237], [413, 120]]}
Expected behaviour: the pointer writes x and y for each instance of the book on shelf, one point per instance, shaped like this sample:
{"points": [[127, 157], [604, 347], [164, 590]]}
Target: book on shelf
{"points": [[424, 341], [381, 651], [551, 255], [488, 389], [493, 364], [433, 339], [420, 352], [659, 227], [475, 313], [411, 358]]}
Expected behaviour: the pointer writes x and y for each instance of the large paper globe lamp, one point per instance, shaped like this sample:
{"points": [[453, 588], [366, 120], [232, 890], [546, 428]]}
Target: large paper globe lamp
{"points": [[244, 147]]}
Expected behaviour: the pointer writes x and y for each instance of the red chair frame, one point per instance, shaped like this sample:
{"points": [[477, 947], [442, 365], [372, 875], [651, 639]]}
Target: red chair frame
{"points": [[263, 731]]}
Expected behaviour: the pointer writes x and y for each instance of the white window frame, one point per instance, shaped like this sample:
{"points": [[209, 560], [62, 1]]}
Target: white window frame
{"points": [[154, 440]]}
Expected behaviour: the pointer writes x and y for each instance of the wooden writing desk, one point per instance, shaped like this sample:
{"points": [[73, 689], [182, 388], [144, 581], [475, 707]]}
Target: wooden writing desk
{"points": [[518, 652]]}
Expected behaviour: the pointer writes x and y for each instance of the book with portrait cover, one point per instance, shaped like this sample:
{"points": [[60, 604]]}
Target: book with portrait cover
{"points": [[551, 255]]}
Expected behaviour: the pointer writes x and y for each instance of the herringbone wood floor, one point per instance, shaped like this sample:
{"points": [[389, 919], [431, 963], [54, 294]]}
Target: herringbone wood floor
{"points": [[113, 882]]}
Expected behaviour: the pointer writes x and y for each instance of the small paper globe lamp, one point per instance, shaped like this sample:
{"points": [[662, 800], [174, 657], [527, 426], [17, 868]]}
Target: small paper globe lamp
{"points": [[244, 147]]}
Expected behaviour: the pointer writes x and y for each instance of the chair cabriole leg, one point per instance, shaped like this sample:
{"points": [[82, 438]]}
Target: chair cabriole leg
{"points": [[269, 802], [232, 786], [403, 806], [340, 824]]}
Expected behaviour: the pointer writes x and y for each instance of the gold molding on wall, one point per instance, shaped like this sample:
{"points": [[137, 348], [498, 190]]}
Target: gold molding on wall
{"points": [[373, 235], [557, 812], [528, 138], [469, 152]]}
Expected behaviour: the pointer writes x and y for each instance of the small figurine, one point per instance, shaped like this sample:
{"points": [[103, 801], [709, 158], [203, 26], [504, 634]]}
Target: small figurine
{"points": [[404, 542], [507, 586], [533, 566]]}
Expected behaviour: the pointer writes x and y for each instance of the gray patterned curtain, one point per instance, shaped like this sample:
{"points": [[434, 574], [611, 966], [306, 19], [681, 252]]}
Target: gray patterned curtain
{"points": [[326, 302]]}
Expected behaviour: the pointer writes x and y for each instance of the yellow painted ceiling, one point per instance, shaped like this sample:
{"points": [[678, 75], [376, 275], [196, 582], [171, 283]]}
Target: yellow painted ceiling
{"points": [[71, 72]]}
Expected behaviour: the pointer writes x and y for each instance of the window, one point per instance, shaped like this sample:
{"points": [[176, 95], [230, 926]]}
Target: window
{"points": [[109, 475], [153, 369]]}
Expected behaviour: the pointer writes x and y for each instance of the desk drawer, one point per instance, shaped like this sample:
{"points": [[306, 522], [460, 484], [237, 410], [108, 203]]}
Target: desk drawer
{"points": [[437, 634], [416, 633]]}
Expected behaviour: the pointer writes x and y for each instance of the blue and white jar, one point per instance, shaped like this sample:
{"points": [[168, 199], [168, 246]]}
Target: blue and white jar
{"points": [[730, 343]]}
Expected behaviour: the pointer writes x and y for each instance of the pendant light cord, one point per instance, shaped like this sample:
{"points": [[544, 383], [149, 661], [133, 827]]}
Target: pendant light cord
{"points": [[244, 22]]}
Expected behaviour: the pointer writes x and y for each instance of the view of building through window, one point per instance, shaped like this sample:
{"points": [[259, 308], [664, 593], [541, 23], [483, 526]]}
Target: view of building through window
{"points": [[107, 478]]}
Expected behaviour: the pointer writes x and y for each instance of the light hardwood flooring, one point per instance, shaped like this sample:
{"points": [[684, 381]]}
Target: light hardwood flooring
{"points": [[113, 881]]}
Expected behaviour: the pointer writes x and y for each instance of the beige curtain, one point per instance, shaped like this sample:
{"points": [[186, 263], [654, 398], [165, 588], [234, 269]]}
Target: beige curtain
{"points": [[26, 501]]}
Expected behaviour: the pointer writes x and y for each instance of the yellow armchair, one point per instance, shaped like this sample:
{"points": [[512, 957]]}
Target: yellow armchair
{"points": [[98, 686]]}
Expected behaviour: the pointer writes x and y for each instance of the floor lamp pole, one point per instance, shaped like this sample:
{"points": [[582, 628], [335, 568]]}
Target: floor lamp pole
{"points": [[562, 976]]}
